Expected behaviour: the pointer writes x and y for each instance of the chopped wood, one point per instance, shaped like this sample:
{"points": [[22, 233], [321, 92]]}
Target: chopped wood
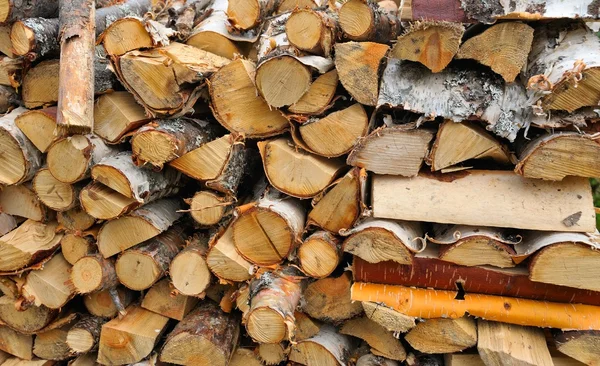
{"points": [[8, 99], [15, 361], [38, 126], [388, 318], [381, 341], [328, 299], [117, 113], [553, 202], [327, 348], [358, 64], [580, 345], [10, 287], [139, 225], [306, 327], [372, 360], [443, 335], [366, 20], [52, 344], [313, 31], [16, 344], [21, 200], [50, 286], [84, 335], [101, 303], [244, 357], [35, 38], [104, 203], [206, 336], [319, 254], [505, 344], [225, 262], [247, 14], [319, 96], [189, 270], [93, 273], [7, 223], [40, 85], [209, 208], [432, 43], [75, 246], [377, 152], [75, 219], [289, 5], [478, 251], [131, 338], [30, 243], [462, 359], [53, 193], [503, 47], [11, 10], [272, 353], [28, 321], [5, 43], [11, 71], [124, 35], [161, 299]]}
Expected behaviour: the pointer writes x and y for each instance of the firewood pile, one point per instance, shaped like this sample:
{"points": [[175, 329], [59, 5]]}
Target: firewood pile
{"points": [[299, 182]]}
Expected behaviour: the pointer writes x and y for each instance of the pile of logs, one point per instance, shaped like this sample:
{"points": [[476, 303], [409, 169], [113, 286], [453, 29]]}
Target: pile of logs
{"points": [[302, 182]]}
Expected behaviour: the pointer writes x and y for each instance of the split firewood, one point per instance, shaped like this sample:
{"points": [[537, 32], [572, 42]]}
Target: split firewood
{"points": [[502, 344], [138, 268], [75, 219], [20, 158], [236, 105], [459, 142], [206, 336], [30, 243], [84, 335], [11, 71], [52, 344], [137, 226], [11, 10], [7, 223], [131, 338], [377, 240], [381, 341], [244, 357], [432, 43], [432, 304], [15, 343], [38, 126], [160, 299], [327, 348], [76, 245], [225, 262], [266, 232], [312, 31], [28, 321], [50, 286], [247, 14], [130, 33], [208, 208], [15, 361], [40, 85], [287, 168], [580, 345], [53, 193], [104, 203], [552, 202], [93, 273], [273, 353], [335, 134], [328, 299], [443, 335], [319, 96], [388, 318], [505, 109], [562, 67], [21, 200], [377, 152], [5, 43], [503, 47], [85, 359], [189, 269], [289, 5], [182, 70], [306, 327], [462, 359], [366, 20], [8, 99], [553, 157], [162, 141], [117, 113], [11, 286], [70, 159], [372, 360], [108, 303], [273, 298], [319, 254], [358, 64]]}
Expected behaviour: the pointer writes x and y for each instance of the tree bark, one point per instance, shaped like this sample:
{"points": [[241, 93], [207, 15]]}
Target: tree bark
{"points": [[84, 335]]}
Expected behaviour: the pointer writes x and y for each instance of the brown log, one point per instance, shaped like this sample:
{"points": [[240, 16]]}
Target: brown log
{"points": [[443, 335], [50, 286], [84, 335], [327, 348], [53, 193], [20, 200], [366, 20], [382, 342], [11, 10], [76, 245], [162, 299], [328, 299], [247, 14], [75, 219], [20, 159], [313, 31], [319, 96], [225, 262], [93, 273], [38, 126], [15, 343], [30, 243], [28, 321], [319, 254], [206, 336], [102, 303], [580, 345], [189, 270], [117, 113]]}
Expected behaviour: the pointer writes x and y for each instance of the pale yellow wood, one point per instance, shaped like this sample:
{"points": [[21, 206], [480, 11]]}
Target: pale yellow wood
{"points": [[382, 341], [163, 299], [117, 113], [29, 242], [443, 335], [51, 286]]}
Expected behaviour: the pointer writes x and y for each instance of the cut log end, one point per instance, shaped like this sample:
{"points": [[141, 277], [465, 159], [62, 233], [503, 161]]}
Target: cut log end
{"points": [[244, 14], [80, 340], [305, 29], [207, 208], [104, 203], [282, 81], [125, 35], [154, 147], [319, 254], [266, 325], [13, 166], [136, 270], [190, 273], [74, 247], [22, 38], [357, 19], [93, 273], [53, 193], [77, 148]]}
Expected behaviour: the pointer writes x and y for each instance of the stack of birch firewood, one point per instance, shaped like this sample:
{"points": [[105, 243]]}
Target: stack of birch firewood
{"points": [[299, 182]]}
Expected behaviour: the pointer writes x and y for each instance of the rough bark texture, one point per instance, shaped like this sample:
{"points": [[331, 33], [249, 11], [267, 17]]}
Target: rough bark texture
{"points": [[36, 38], [20, 9], [88, 325]]}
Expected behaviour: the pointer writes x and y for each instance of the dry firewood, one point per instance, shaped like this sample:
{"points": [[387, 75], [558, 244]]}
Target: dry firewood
{"points": [[131, 338], [138, 268], [319, 254], [462, 359], [115, 114], [504, 344], [143, 185], [50, 286], [11, 70], [306, 327], [206, 336], [388, 318], [28, 321], [139, 225], [15, 361], [443, 335], [580, 345], [11, 10], [75, 219], [225, 262], [38, 126], [7, 223], [11, 286], [247, 14], [372, 360], [381, 341], [162, 300], [53, 193], [102, 303], [8, 99], [357, 64], [474, 246], [30, 243], [237, 107], [313, 31], [181, 70], [189, 270], [431, 43], [162, 141], [40, 85], [5, 43], [296, 173], [244, 357], [128, 34], [376, 240], [503, 107], [366, 20], [273, 298], [104, 203], [289, 5], [335, 134], [70, 159], [503, 47], [319, 96], [433, 304], [328, 299], [327, 348], [35, 38], [76, 245], [94, 273], [84, 335], [557, 204], [430, 272], [52, 344], [15, 343], [208, 208], [553, 157], [463, 141], [579, 119], [20, 200], [85, 359], [378, 153], [272, 353], [20, 159]]}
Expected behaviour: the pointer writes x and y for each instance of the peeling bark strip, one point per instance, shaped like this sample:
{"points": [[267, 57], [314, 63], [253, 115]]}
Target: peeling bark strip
{"points": [[76, 77], [11, 10]]}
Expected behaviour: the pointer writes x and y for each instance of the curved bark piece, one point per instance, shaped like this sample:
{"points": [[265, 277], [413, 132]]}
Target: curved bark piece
{"points": [[443, 335], [312, 31], [11, 10], [319, 254], [319, 96], [327, 348], [21, 200], [30, 243], [94, 273], [225, 262], [163, 300], [382, 342], [50, 286], [366, 20], [117, 113]]}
